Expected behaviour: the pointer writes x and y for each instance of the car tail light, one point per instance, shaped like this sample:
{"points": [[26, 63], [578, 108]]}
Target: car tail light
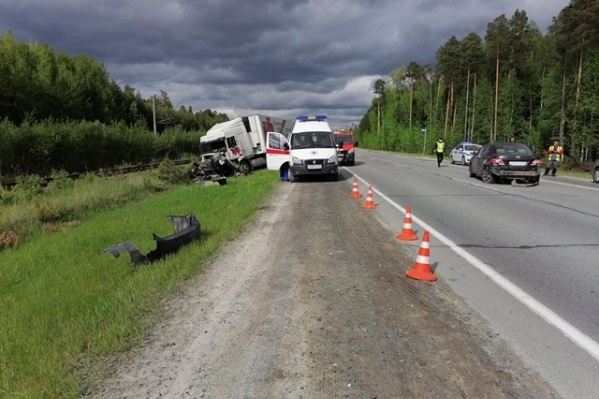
{"points": [[536, 162], [496, 161]]}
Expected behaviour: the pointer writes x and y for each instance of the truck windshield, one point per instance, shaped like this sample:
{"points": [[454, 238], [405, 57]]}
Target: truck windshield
{"points": [[312, 140], [210, 147]]}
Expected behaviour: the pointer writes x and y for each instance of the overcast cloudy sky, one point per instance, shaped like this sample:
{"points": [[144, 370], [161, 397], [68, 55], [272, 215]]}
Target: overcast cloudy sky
{"points": [[281, 58]]}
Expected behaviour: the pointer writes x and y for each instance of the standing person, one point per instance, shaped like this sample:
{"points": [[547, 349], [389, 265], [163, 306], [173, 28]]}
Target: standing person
{"points": [[555, 156], [512, 139], [439, 150]]}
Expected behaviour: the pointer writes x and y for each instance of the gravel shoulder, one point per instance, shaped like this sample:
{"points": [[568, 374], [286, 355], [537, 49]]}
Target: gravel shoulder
{"points": [[312, 301]]}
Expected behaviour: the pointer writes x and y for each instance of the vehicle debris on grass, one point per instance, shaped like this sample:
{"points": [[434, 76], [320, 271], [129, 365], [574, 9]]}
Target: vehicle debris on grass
{"points": [[187, 229]]}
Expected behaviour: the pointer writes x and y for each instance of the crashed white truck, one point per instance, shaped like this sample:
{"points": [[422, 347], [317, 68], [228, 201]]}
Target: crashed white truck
{"points": [[243, 140]]}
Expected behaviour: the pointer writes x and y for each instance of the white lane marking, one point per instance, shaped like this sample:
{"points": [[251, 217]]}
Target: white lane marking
{"points": [[570, 185], [578, 337], [486, 187]]}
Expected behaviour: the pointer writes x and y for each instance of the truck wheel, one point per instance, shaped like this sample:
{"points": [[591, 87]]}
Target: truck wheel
{"points": [[245, 167]]}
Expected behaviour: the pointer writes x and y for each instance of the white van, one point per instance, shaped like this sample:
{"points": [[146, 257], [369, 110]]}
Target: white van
{"points": [[312, 150]]}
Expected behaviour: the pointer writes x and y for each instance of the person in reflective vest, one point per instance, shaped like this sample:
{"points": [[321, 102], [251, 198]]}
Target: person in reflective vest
{"points": [[439, 150], [555, 156]]}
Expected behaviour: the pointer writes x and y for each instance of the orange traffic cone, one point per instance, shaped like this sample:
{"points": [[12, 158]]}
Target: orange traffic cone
{"points": [[369, 204], [422, 267], [407, 233], [355, 193]]}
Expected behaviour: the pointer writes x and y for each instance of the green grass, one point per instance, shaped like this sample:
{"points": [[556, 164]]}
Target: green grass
{"points": [[65, 306]]}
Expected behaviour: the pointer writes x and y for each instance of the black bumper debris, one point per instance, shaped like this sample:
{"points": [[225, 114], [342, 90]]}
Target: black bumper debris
{"points": [[187, 229]]}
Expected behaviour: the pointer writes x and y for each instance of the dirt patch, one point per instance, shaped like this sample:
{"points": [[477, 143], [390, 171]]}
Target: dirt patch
{"points": [[312, 302]]}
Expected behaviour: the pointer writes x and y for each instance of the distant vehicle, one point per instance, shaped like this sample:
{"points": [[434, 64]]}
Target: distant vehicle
{"points": [[242, 140], [496, 162], [312, 149], [463, 152], [346, 147], [596, 171]]}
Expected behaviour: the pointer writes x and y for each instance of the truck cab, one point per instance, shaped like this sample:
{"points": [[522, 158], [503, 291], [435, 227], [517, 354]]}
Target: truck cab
{"points": [[346, 147], [312, 149]]}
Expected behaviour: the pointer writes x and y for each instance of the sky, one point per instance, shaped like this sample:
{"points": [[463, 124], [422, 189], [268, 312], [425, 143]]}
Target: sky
{"points": [[280, 58]]}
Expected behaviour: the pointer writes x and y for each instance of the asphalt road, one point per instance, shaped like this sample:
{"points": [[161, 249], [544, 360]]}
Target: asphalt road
{"points": [[525, 258]]}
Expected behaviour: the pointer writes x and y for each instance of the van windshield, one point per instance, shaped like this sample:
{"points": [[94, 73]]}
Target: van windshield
{"points": [[312, 140]]}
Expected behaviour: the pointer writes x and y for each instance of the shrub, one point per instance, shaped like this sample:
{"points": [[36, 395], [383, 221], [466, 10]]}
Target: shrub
{"points": [[61, 180], [170, 173]]}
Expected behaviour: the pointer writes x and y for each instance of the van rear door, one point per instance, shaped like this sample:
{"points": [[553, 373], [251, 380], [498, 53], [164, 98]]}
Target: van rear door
{"points": [[277, 150]]}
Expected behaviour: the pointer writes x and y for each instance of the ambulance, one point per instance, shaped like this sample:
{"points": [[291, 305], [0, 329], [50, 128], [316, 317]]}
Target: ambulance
{"points": [[312, 149]]}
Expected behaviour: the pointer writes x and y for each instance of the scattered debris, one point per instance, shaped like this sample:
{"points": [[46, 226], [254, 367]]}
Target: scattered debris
{"points": [[523, 183], [187, 229], [8, 239]]}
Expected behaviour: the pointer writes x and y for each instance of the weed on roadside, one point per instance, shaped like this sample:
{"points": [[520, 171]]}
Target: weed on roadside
{"points": [[65, 305]]}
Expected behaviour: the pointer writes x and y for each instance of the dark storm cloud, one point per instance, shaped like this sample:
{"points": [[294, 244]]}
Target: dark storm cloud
{"points": [[280, 57]]}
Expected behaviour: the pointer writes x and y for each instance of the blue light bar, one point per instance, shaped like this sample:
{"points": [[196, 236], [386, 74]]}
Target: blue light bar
{"points": [[304, 118]]}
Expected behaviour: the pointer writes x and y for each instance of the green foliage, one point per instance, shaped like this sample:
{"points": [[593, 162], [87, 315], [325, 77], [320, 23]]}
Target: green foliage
{"points": [[85, 146], [60, 180], [38, 84], [171, 173], [547, 88]]}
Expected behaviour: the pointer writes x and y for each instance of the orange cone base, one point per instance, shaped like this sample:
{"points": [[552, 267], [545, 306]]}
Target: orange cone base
{"points": [[406, 236], [421, 272], [369, 205], [355, 194]]}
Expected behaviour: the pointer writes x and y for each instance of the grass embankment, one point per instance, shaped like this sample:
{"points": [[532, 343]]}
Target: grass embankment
{"points": [[65, 305]]}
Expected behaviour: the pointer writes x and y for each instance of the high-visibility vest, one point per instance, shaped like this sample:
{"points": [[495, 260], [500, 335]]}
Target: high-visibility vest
{"points": [[555, 157], [440, 146]]}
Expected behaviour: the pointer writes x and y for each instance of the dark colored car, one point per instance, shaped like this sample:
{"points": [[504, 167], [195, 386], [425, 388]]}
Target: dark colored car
{"points": [[496, 162], [596, 171]]}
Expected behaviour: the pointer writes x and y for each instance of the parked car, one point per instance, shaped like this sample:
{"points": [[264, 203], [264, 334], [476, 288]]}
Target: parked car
{"points": [[463, 152], [596, 171], [496, 162]]}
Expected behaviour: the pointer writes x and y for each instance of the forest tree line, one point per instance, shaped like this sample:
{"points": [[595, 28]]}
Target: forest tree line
{"points": [[514, 81], [50, 101]]}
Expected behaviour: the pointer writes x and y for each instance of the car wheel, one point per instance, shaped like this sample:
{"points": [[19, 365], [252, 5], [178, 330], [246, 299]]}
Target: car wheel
{"points": [[451, 159], [463, 161], [596, 175], [535, 180], [472, 174], [486, 176]]}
